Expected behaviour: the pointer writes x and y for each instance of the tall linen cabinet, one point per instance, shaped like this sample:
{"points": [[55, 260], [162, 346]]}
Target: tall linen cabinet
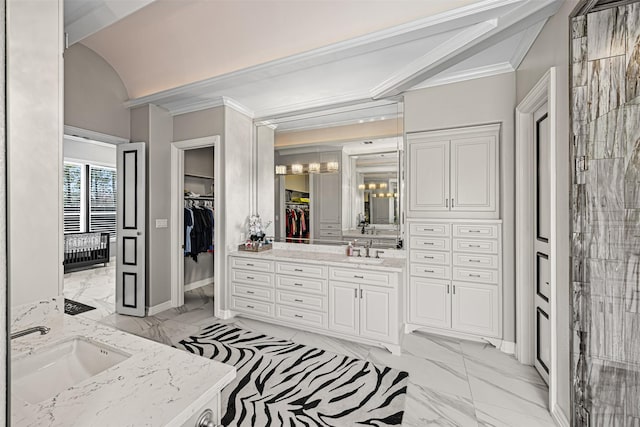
{"points": [[454, 232]]}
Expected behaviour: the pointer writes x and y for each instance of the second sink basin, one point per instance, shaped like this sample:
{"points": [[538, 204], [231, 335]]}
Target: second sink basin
{"points": [[45, 373], [364, 260]]}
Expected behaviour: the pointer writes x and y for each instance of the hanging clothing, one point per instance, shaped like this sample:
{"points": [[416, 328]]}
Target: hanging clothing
{"points": [[188, 226], [199, 232]]}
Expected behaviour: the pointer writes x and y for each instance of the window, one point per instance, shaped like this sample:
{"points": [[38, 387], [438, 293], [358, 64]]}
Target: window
{"points": [[102, 200], [73, 198], [89, 198]]}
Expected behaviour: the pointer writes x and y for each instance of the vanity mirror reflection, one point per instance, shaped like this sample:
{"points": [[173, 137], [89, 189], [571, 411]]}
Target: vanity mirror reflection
{"points": [[337, 177]]}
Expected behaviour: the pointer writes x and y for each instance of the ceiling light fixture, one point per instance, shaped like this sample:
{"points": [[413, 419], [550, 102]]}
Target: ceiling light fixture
{"points": [[281, 170], [297, 168], [372, 186], [314, 167], [333, 166]]}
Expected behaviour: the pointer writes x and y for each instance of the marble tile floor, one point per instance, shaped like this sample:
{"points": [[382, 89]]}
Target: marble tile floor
{"points": [[451, 382]]}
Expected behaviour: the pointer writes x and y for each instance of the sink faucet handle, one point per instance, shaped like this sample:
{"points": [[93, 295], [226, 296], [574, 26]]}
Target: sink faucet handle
{"points": [[378, 253]]}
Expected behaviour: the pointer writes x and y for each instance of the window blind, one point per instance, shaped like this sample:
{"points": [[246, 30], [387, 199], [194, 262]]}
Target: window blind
{"points": [[72, 198], [102, 200]]}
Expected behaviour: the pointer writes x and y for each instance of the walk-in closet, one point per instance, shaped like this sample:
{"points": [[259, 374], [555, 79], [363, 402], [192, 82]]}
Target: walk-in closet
{"points": [[199, 223]]}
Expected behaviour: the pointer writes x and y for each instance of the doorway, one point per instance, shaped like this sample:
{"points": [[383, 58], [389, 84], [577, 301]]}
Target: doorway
{"points": [[195, 220]]}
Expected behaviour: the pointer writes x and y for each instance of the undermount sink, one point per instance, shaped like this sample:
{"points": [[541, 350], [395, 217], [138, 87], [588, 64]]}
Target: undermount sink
{"points": [[364, 260], [48, 371]]}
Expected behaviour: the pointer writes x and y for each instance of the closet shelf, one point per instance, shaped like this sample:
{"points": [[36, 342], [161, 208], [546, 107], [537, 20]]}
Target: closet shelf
{"points": [[191, 175], [199, 198]]}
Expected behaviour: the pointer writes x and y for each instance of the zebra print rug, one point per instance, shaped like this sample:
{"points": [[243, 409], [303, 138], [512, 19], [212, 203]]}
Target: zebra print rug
{"points": [[282, 383]]}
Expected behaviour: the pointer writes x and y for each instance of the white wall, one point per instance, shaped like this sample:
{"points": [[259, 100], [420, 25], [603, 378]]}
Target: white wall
{"points": [[94, 94], [551, 49], [3, 234], [473, 102], [34, 148]]}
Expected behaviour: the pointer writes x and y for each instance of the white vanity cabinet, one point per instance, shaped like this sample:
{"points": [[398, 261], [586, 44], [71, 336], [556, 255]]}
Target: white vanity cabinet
{"points": [[453, 172], [362, 304], [455, 279]]}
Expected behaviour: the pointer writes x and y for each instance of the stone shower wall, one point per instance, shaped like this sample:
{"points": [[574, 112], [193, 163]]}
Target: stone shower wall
{"points": [[606, 217]]}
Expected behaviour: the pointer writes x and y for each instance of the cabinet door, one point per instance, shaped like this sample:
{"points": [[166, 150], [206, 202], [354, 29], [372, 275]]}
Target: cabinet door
{"points": [[378, 312], [329, 198], [430, 302], [473, 174], [344, 303], [475, 309], [428, 175]]}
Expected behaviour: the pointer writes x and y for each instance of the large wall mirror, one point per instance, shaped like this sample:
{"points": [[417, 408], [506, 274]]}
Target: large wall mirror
{"points": [[338, 177]]}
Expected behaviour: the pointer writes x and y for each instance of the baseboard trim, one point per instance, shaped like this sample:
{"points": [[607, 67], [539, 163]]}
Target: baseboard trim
{"points": [[226, 314], [559, 417], [153, 310], [508, 347], [198, 284]]}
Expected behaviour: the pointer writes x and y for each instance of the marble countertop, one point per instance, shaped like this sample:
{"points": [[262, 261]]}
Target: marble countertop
{"points": [[323, 258], [157, 386]]}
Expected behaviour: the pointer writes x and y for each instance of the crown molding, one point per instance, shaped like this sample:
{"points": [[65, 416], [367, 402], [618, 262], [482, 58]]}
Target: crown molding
{"points": [[471, 74], [85, 134], [218, 101]]}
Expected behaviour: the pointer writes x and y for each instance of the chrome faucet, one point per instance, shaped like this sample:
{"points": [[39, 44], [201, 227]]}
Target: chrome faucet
{"points": [[42, 329], [367, 246]]}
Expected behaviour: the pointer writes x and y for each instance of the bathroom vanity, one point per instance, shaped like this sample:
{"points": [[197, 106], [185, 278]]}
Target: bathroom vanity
{"points": [[354, 298], [85, 373]]}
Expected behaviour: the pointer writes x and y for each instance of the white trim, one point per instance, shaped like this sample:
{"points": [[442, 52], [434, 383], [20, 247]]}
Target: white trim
{"points": [[195, 285], [560, 418], [226, 314], [177, 217], [461, 76], [508, 347], [178, 108], [415, 72], [84, 134], [152, 311], [543, 92]]}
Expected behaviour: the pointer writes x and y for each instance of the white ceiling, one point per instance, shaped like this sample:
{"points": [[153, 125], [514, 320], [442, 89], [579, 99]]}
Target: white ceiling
{"points": [[271, 58]]}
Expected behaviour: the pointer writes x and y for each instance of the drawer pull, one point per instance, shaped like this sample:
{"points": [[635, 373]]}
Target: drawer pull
{"points": [[474, 231], [358, 277], [429, 271], [428, 229], [474, 275], [297, 284], [298, 316], [475, 246], [428, 257], [428, 243], [250, 306], [475, 260], [298, 300], [249, 265], [251, 278], [298, 269], [250, 292]]}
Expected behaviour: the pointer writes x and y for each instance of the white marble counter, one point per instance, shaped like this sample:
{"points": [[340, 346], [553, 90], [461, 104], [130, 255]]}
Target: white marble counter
{"points": [[325, 258], [157, 386]]}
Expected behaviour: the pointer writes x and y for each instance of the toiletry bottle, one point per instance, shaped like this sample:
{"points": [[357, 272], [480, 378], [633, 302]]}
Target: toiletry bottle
{"points": [[350, 249]]}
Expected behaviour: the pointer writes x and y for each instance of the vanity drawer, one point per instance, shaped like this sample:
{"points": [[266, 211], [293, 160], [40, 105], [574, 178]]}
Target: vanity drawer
{"points": [[475, 260], [475, 275], [253, 307], [330, 226], [435, 230], [263, 293], [428, 257], [304, 270], [251, 277], [435, 271], [252, 264], [479, 246], [315, 286], [475, 230], [331, 233], [432, 243], [311, 318], [360, 276], [309, 302]]}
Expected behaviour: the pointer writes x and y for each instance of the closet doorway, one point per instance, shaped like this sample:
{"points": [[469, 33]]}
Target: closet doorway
{"points": [[195, 172]]}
